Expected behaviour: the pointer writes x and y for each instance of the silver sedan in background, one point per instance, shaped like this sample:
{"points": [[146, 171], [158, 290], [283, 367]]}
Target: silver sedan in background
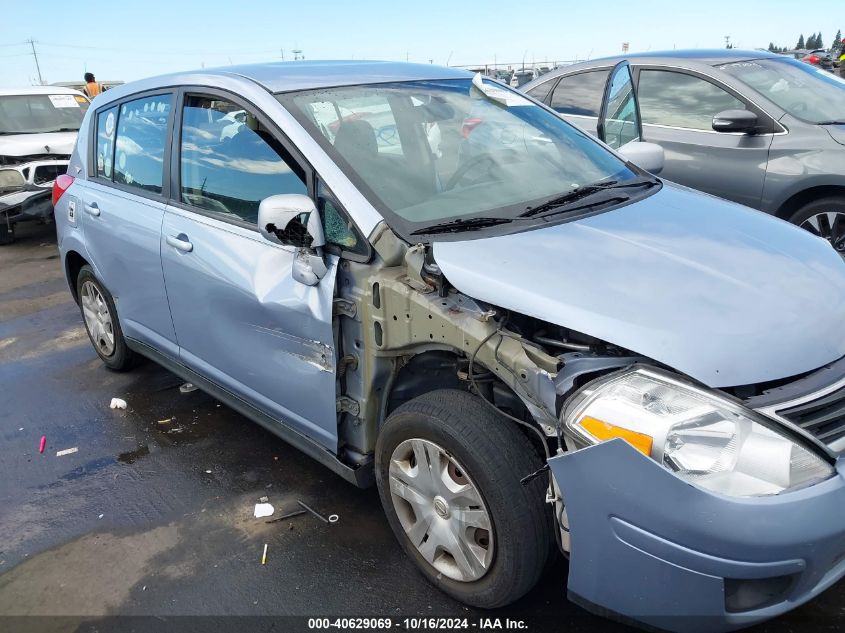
{"points": [[760, 129]]}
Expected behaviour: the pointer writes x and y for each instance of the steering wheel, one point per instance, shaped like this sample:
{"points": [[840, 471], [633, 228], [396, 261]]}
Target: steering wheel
{"points": [[463, 170]]}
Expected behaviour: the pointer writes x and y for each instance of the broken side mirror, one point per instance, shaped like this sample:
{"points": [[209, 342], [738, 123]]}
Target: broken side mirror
{"points": [[293, 220]]}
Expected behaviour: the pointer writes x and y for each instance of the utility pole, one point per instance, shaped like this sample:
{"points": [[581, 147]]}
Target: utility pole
{"points": [[37, 65], [727, 41]]}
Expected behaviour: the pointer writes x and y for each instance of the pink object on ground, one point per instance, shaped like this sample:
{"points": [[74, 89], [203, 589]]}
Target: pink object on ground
{"points": [[43, 443]]}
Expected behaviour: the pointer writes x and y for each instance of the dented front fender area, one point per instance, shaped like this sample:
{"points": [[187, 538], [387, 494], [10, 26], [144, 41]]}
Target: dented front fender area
{"points": [[405, 320], [652, 548]]}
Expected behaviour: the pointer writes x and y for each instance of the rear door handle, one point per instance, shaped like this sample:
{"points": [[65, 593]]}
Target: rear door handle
{"points": [[180, 242], [91, 209]]}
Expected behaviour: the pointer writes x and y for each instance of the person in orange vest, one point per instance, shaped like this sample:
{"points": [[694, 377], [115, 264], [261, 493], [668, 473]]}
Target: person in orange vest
{"points": [[92, 88]]}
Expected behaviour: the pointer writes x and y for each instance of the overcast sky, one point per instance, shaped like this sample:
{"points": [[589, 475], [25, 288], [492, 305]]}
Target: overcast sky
{"points": [[130, 40]]}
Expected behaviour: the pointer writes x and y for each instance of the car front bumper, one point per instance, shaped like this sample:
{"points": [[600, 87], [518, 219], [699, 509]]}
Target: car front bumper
{"points": [[33, 200], [650, 548]]}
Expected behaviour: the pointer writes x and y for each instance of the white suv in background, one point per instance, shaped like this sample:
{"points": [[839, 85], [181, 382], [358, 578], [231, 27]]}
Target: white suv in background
{"points": [[38, 127]]}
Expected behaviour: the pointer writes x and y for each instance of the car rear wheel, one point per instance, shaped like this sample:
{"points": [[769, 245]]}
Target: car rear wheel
{"points": [[101, 323], [825, 218], [448, 471]]}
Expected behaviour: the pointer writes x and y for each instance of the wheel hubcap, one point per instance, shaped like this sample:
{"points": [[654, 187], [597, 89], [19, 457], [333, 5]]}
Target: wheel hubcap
{"points": [[441, 510], [830, 225], [98, 318]]}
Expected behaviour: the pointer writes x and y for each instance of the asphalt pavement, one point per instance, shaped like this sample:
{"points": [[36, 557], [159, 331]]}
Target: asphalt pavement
{"points": [[149, 524]]}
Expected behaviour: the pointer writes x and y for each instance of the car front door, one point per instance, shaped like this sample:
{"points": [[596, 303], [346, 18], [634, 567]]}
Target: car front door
{"points": [[242, 320], [677, 108], [123, 206]]}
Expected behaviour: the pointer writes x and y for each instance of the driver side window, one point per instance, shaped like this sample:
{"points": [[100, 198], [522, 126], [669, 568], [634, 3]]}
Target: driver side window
{"points": [[230, 162]]}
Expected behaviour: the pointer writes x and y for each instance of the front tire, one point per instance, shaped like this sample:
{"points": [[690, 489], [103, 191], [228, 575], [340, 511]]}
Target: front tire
{"points": [[825, 218], [448, 471], [101, 322]]}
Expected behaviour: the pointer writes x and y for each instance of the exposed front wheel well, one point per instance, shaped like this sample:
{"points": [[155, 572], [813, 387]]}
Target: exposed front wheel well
{"points": [[440, 369], [73, 264], [803, 198]]}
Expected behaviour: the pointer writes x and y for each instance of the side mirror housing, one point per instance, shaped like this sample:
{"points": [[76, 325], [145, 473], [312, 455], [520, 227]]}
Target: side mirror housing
{"points": [[293, 220], [648, 156], [735, 121]]}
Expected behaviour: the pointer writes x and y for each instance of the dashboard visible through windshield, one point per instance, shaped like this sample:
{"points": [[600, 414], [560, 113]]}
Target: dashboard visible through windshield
{"points": [[448, 153]]}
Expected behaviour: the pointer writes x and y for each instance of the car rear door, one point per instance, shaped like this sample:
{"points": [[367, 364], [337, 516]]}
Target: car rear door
{"points": [[677, 107], [122, 207], [243, 322]]}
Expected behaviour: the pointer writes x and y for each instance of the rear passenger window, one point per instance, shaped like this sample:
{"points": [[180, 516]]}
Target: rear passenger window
{"points": [[580, 94], [106, 124], [230, 162], [141, 137]]}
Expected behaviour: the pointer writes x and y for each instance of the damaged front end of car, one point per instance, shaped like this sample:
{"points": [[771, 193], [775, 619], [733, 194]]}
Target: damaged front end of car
{"points": [[689, 509], [25, 189]]}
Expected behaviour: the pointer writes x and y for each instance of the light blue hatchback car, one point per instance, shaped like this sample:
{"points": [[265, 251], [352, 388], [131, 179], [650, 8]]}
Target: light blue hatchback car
{"points": [[429, 281]]}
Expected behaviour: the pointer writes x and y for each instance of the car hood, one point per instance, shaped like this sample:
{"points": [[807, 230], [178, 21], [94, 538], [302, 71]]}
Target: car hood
{"points": [[31, 144], [837, 132], [725, 294]]}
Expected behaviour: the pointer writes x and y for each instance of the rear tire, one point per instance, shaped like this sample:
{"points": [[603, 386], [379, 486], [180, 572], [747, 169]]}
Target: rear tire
{"points": [[101, 322], [482, 457], [826, 218]]}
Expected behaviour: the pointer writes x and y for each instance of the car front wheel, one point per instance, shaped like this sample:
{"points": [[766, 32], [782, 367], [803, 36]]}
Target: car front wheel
{"points": [[825, 218], [448, 471]]}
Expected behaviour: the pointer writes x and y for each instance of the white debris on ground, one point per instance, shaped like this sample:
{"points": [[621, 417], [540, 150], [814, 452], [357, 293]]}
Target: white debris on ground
{"points": [[188, 387], [118, 403], [264, 510], [67, 451]]}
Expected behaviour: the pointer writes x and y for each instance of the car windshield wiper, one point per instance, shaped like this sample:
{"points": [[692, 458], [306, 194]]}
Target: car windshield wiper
{"points": [[63, 129], [461, 224], [833, 122], [583, 192]]}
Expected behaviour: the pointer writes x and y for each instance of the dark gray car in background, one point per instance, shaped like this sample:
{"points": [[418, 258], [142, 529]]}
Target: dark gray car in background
{"points": [[757, 128]]}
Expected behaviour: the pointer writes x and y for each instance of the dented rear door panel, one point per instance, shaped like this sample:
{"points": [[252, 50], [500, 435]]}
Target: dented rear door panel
{"points": [[242, 321]]}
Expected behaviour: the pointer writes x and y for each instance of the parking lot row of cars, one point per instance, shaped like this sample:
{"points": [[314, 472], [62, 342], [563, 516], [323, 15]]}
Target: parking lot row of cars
{"points": [[523, 336]]}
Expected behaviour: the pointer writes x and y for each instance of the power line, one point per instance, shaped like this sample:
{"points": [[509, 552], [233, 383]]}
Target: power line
{"points": [[168, 52]]}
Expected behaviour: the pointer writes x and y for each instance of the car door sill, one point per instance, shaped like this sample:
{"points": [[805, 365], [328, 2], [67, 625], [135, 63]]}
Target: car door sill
{"points": [[361, 476]]}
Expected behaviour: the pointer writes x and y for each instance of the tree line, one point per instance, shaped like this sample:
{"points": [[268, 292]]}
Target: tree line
{"points": [[811, 43]]}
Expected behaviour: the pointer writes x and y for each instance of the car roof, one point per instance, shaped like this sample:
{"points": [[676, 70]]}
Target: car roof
{"points": [[38, 90], [301, 75], [701, 56]]}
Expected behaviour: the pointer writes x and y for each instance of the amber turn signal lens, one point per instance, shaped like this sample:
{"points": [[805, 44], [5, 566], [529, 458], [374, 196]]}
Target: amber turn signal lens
{"points": [[601, 430]]}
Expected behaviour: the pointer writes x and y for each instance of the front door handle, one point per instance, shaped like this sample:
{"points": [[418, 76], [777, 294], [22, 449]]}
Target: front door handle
{"points": [[180, 242], [91, 209]]}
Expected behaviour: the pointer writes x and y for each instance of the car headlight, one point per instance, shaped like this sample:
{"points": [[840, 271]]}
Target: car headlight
{"points": [[699, 435]]}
